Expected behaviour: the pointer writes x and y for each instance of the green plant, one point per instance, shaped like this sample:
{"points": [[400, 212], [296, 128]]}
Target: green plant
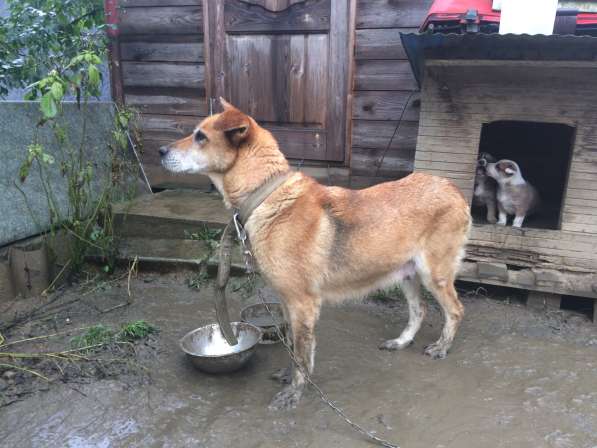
{"points": [[135, 330], [96, 335], [99, 335], [88, 220], [384, 294], [199, 280], [211, 237], [41, 36]]}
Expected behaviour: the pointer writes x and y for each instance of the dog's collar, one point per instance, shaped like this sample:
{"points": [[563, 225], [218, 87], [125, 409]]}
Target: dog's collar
{"points": [[256, 197]]}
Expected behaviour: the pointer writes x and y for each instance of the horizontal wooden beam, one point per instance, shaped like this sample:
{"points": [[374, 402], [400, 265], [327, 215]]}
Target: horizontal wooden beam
{"points": [[391, 13], [162, 74], [162, 51], [162, 20], [384, 75], [386, 105], [380, 44]]}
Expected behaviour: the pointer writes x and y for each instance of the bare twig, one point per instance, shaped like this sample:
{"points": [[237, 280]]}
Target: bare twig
{"points": [[45, 336], [45, 291], [24, 369]]}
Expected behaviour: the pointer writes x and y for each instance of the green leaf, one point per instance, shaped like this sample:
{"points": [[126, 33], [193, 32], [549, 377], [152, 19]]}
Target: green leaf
{"points": [[48, 106], [94, 76], [31, 95], [57, 91]]}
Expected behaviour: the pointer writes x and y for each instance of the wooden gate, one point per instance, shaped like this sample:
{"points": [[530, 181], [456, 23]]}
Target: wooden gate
{"points": [[286, 63]]}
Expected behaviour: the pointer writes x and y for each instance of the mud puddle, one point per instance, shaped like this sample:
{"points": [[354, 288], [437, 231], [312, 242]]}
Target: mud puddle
{"points": [[514, 378]]}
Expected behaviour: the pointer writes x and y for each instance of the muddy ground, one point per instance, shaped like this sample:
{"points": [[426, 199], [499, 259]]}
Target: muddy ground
{"points": [[514, 378]]}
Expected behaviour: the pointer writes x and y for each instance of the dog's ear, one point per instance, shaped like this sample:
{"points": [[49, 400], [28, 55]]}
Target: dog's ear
{"points": [[507, 167], [235, 125], [226, 105]]}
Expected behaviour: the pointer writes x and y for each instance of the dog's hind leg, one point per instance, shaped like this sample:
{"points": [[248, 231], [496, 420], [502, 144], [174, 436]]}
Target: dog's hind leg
{"points": [[411, 287], [440, 282], [303, 316], [284, 375]]}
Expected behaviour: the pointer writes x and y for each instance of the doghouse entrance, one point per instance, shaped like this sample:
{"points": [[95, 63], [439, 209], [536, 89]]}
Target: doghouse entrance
{"points": [[543, 151]]}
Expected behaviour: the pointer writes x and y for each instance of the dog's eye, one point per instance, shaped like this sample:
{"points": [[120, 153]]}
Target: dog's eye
{"points": [[200, 137]]}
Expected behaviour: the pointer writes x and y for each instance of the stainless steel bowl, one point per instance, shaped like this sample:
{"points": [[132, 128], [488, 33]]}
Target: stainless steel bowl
{"points": [[259, 316], [209, 351]]}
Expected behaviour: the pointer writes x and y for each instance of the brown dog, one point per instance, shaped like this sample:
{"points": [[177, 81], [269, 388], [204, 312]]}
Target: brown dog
{"points": [[314, 243]]}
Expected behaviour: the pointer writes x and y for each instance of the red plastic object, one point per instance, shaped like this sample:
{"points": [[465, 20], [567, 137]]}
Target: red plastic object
{"points": [[453, 10]]}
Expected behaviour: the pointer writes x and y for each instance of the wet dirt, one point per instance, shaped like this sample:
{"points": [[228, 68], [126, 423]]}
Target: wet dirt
{"points": [[514, 378]]}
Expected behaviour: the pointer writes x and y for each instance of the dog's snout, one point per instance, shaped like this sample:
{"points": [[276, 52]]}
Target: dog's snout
{"points": [[164, 150]]}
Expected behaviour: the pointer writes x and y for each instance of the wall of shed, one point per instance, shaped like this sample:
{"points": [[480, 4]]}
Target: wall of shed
{"points": [[163, 72], [383, 84], [164, 76]]}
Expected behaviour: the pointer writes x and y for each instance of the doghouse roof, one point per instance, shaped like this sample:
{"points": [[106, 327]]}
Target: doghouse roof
{"points": [[420, 47]]}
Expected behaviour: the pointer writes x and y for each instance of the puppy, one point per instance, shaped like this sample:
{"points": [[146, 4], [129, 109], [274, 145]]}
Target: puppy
{"points": [[515, 196], [485, 193], [314, 243]]}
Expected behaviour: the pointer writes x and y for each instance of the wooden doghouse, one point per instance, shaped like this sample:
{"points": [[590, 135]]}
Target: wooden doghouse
{"points": [[530, 99]]}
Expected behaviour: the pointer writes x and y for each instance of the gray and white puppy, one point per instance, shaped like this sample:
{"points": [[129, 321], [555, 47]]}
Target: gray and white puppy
{"points": [[485, 193], [515, 196]]}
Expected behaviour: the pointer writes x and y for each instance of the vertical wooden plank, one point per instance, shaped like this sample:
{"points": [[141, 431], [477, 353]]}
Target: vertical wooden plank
{"points": [[114, 55], [238, 84], [316, 82], [337, 80], [261, 78], [215, 50], [296, 85], [350, 85], [280, 66]]}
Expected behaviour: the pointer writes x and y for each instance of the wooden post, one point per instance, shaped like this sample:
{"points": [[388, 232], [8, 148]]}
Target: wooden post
{"points": [[112, 20]]}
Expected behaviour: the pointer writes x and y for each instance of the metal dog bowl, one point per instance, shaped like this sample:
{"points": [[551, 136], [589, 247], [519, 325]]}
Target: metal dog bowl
{"points": [[209, 351], [259, 316]]}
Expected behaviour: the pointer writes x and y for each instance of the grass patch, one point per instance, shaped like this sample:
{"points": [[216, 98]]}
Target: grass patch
{"points": [[199, 280], [209, 236], [393, 293], [99, 335], [96, 335], [133, 331]]}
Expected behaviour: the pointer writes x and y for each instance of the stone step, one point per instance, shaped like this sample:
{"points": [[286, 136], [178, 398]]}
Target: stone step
{"points": [[156, 229], [174, 254], [170, 214]]}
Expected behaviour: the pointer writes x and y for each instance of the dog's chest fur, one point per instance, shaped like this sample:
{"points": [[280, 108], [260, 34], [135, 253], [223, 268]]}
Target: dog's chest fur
{"points": [[517, 199]]}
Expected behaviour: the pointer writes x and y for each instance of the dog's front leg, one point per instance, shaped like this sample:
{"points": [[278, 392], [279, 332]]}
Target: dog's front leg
{"points": [[491, 211], [303, 317]]}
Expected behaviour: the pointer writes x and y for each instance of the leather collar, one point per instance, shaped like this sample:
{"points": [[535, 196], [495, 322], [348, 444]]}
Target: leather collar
{"points": [[256, 197]]}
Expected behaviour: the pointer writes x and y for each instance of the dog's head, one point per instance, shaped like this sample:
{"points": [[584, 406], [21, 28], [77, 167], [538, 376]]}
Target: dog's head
{"points": [[214, 144], [505, 171], [482, 161]]}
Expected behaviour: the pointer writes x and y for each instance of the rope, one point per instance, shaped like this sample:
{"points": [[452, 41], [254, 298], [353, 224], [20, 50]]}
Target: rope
{"points": [[396, 129]]}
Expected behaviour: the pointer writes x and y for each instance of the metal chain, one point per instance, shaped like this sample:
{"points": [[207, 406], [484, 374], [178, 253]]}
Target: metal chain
{"points": [[251, 271]]}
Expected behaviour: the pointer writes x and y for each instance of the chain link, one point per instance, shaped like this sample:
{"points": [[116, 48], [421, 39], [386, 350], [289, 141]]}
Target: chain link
{"points": [[251, 272]]}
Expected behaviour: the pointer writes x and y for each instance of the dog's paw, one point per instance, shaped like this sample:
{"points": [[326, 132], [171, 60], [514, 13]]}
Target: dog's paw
{"points": [[394, 344], [286, 399], [283, 376], [436, 351]]}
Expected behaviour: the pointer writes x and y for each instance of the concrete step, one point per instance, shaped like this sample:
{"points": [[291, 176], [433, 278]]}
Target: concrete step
{"points": [[171, 214], [156, 229], [172, 254]]}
